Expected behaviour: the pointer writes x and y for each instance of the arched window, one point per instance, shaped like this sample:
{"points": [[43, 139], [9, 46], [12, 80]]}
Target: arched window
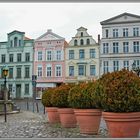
{"points": [[75, 42], [81, 33], [81, 42], [88, 41], [15, 42]]}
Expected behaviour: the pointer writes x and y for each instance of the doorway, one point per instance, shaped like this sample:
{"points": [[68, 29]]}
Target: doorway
{"points": [[18, 91]]}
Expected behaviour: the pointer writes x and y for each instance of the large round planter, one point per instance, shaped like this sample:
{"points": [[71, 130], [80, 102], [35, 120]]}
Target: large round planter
{"points": [[88, 120], [67, 117], [53, 115], [122, 125]]}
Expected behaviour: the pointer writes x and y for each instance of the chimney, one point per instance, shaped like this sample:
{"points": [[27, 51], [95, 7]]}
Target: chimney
{"points": [[49, 30], [99, 39]]}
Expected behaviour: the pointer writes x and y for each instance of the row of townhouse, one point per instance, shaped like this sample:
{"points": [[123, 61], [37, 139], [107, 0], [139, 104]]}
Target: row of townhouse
{"points": [[55, 61]]}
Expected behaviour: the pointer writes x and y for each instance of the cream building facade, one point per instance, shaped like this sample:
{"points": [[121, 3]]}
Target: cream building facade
{"points": [[81, 58]]}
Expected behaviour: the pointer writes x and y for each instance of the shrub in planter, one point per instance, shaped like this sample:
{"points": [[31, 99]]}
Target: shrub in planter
{"points": [[121, 95], [83, 97], [46, 97], [60, 99], [51, 109]]}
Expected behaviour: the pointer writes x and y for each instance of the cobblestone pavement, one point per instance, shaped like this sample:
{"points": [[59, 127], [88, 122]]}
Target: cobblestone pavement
{"points": [[34, 125]]}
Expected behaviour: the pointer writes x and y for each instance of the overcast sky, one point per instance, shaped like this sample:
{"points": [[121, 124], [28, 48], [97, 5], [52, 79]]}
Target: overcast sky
{"points": [[63, 18]]}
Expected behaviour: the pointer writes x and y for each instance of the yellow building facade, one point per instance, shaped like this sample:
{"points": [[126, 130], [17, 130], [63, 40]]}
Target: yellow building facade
{"points": [[82, 58]]}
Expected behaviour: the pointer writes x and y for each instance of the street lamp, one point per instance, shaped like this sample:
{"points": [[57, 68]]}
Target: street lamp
{"points": [[136, 69], [5, 73]]}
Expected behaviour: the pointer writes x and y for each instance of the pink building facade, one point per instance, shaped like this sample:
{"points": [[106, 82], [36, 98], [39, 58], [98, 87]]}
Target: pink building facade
{"points": [[49, 65]]}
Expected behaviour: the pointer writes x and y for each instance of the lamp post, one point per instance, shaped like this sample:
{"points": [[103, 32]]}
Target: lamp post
{"points": [[5, 73], [136, 69]]}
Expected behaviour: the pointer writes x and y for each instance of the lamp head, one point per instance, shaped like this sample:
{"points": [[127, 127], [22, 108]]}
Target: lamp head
{"points": [[5, 72]]}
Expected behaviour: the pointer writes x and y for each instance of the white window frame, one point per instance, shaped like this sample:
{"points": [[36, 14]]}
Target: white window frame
{"points": [[39, 55], [116, 65], [58, 70], [58, 55], [39, 71], [49, 71]]}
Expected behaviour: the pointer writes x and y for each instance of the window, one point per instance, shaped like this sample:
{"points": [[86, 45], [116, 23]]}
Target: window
{"points": [[105, 67], [81, 34], [19, 42], [81, 42], [71, 54], [92, 70], [125, 47], [115, 65], [49, 55], [75, 42], [10, 72], [81, 54], [19, 57], [11, 43], [39, 56], [137, 63], [15, 42], [58, 55], [126, 64], [27, 57], [39, 71], [105, 48], [106, 33], [11, 57], [135, 31], [115, 47], [27, 72], [136, 46], [125, 32], [18, 72], [81, 70], [3, 58], [26, 89], [71, 70], [92, 53], [49, 71], [115, 32], [88, 42], [58, 71]]}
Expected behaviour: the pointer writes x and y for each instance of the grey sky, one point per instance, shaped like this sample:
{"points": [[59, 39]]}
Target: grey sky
{"points": [[63, 18]]}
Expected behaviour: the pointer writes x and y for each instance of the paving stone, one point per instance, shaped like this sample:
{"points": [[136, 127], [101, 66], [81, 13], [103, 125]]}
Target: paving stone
{"points": [[34, 125]]}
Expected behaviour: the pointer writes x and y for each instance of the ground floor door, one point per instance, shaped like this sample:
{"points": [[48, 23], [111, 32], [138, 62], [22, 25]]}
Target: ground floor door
{"points": [[18, 91]]}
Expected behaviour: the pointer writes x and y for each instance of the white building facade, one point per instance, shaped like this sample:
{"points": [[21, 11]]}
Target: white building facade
{"points": [[82, 58], [17, 55], [120, 43]]}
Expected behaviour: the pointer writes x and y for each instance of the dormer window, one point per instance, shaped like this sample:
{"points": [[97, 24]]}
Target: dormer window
{"points": [[81, 42], [81, 34], [75, 42], [88, 41], [15, 42]]}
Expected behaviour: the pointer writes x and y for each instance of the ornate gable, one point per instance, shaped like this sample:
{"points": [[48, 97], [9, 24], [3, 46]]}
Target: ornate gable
{"points": [[49, 35], [122, 18]]}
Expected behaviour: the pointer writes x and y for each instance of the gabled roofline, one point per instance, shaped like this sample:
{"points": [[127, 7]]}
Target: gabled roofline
{"points": [[128, 14], [16, 31], [49, 32], [81, 27]]}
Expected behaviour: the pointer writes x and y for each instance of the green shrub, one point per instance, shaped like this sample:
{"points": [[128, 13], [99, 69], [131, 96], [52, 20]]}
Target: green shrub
{"points": [[84, 96], [60, 96], [46, 97], [120, 91]]}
